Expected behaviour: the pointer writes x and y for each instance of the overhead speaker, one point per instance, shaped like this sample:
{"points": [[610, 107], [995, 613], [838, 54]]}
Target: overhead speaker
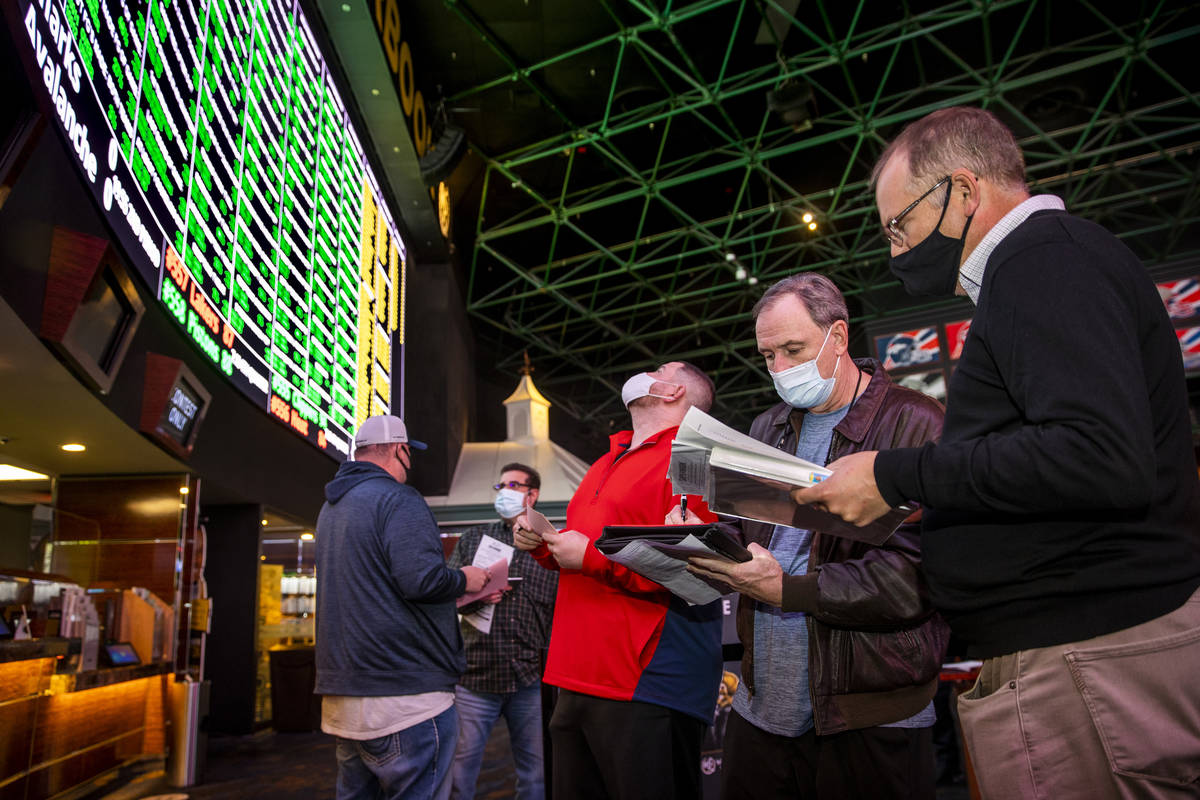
{"points": [[792, 101], [443, 155]]}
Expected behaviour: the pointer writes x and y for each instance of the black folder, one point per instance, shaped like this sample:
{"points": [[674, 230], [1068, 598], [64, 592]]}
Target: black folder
{"points": [[722, 538]]}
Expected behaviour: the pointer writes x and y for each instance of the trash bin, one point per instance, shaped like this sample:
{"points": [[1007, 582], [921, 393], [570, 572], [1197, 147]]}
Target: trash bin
{"points": [[294, 707]]}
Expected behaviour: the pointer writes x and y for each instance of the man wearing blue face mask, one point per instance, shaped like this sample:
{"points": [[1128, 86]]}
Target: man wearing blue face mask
{"points": [[504, 664], [842, 646], [1062, 508]]}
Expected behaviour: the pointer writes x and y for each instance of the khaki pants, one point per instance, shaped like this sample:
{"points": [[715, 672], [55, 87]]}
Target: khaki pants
{"points": [[1116, 716]]}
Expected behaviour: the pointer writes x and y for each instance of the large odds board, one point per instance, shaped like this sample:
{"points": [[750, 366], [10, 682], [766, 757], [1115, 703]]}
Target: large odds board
{"points": [[215, 139]]}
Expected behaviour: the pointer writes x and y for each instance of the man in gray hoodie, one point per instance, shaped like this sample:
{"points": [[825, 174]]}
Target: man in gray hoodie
{"points": [[389, 651]]}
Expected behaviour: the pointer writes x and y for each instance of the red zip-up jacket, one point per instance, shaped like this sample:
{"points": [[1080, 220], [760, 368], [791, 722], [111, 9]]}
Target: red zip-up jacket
{"points": [[616, 634]]}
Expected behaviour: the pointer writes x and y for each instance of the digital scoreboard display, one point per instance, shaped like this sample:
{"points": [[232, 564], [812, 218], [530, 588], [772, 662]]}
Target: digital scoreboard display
{"points": [[214, 137]]}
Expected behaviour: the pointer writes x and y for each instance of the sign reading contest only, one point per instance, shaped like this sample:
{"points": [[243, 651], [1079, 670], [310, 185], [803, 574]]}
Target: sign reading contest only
{"points": [[215, 140]]}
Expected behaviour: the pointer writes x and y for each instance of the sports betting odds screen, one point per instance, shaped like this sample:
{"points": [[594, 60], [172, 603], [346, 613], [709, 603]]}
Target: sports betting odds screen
{"points": [[217, 144]]}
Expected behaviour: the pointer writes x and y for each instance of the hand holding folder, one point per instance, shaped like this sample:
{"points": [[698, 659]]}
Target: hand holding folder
{"points": [[660, 553]]}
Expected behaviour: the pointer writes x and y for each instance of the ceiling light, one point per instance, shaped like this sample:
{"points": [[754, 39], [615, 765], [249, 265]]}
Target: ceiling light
{"points": [[74, 447], [740, 274], [375, 92], [730, 256], [752, 280], [183, 490], [346, 7], [10, 473], [812, 226], [306, 536], [264, 522], [262, 558], [808, 217]]}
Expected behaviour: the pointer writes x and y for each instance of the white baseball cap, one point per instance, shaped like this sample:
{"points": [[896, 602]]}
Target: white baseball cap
{"points": [[384, 429]]}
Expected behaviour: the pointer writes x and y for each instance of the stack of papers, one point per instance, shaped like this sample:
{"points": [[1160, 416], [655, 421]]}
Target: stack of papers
{"points": [[743, 477]]}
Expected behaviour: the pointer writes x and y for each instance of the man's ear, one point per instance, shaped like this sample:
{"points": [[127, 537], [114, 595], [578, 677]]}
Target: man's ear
{"points": [[965, 189], [532, 494], [677, 394], [840, 334]]}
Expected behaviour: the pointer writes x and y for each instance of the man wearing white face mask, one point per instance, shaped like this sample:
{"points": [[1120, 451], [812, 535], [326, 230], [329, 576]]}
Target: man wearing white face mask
{"points": [[842, 646], [504, 665], [637, 668]]}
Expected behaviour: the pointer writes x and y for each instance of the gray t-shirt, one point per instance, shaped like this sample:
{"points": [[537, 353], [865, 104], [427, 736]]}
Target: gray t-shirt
{"points": [[781, 703]]}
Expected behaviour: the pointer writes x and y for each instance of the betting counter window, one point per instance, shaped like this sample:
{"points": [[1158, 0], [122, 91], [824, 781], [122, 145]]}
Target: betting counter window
{"points": [[217, 142]]}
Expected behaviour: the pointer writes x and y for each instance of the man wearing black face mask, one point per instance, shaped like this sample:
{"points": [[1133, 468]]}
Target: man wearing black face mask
{"points": [[1061, 535]]}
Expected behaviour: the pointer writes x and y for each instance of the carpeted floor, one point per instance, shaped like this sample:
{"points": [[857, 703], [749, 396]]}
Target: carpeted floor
{"points": [[285, 766]]}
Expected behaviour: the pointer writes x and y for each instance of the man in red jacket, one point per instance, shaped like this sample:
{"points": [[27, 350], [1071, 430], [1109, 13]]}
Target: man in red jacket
{"points": [[638, 667]]}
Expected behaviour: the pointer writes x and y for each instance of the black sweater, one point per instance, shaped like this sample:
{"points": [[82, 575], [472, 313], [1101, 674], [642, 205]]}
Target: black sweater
{"points": [[1062, 502]]}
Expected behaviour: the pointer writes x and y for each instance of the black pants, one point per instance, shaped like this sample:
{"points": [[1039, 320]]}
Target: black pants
{"points": [[869, 763], [623, 750]]}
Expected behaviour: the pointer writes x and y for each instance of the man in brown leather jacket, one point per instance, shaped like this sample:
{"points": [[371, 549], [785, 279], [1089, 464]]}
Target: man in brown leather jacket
{"points": [[842, 645]]}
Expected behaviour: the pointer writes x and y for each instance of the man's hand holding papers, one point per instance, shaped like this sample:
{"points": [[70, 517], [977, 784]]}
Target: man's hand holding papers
{"points": [[850, 492], [743, 477], [530, 528], [760, 578], [568, 548]]}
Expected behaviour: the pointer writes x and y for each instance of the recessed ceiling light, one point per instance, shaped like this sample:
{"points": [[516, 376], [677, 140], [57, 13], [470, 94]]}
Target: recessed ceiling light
{"points": [[183, 490], [808, 217], [264, 522], [10, 473], [812, 226], [74, 447], [306, 536]]}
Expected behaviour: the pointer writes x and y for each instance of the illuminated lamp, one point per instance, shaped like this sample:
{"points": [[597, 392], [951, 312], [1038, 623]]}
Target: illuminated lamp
{"points": [[443, 155], [74, 447]]}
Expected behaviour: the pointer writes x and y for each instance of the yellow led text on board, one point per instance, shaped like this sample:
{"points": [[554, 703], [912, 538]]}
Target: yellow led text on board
{"points": [[400, 62], [379, 297]]}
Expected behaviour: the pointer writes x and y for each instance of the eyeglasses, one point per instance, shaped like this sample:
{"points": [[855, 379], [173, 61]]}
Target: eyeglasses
{"points": [[892, 233], [511, 485]]}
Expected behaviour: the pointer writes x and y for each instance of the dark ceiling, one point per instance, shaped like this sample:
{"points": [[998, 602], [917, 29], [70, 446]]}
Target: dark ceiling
{"points": [[630, 193]]}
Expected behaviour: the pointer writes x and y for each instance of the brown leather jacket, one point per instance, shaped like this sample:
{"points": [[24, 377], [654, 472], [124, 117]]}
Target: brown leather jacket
{"points": [[875, 644]]}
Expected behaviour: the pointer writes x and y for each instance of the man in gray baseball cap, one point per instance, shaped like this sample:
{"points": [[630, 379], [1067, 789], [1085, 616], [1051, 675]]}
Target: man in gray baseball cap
{"points": [[382, 430], [389, 651]]}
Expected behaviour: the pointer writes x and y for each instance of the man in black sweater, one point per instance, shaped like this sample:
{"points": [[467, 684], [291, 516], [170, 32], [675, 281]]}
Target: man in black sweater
{"points": [[1061, 534]]}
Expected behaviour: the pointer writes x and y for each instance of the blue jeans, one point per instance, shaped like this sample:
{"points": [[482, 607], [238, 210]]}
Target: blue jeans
{"points": [[477, 713], [412, 764]]}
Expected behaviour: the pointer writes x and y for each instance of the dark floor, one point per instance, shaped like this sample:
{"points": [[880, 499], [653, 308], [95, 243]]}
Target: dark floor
{"points": [[285, 766]]}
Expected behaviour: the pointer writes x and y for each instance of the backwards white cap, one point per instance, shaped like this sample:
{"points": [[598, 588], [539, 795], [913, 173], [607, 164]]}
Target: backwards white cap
{"points": [[384, 429]]}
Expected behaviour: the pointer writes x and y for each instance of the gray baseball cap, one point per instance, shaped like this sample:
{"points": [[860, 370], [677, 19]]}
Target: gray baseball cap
{"points": [[384, 429]]}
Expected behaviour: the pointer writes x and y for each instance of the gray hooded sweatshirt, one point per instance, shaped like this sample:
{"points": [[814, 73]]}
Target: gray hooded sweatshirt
{"points": [[386, 621]]}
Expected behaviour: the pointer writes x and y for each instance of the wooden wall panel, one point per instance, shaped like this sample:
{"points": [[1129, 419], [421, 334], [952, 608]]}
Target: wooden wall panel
{"points": [[110, 712], [22, 678], [16, 721], [125, 508], [122, 509]]}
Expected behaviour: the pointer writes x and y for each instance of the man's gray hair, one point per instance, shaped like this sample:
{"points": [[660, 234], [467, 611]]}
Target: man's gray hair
{"points": [[819, 295], [950, 138]]}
